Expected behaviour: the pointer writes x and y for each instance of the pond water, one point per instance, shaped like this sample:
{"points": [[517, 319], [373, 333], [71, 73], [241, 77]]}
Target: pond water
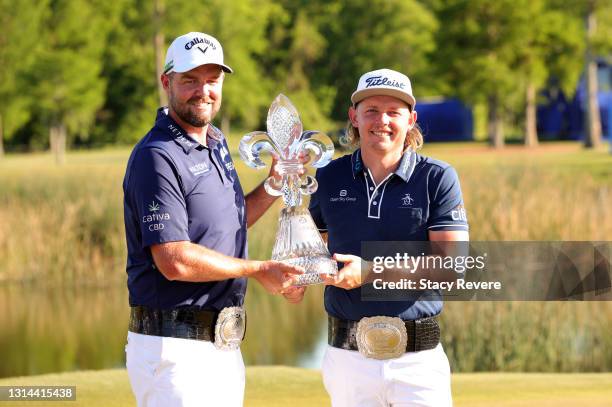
{"points": [[54, 329]]}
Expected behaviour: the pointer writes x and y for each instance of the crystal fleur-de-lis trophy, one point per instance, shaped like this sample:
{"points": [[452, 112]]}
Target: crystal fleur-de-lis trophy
{"points": [[298, 241]]}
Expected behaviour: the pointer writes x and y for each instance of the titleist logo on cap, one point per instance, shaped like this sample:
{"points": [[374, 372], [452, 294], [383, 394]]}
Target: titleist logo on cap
{"points": [[383, 81]]}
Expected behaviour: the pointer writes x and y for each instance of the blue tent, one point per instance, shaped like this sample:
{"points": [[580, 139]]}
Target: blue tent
{"points": [[445, 120]]}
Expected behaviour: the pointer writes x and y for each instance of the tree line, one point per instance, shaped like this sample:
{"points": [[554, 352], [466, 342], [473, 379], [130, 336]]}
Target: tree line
{"points": [[85, 72]]}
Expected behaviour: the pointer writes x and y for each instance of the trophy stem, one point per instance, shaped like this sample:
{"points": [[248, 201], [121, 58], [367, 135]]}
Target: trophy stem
{"points": [[298, 242]]}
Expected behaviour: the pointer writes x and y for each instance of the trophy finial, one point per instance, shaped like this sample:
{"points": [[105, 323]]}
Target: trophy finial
{"points": [[284, 125], [286, 139]]}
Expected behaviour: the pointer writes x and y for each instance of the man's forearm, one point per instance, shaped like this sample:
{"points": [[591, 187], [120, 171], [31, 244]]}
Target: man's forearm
{"points": [[186, 261]]}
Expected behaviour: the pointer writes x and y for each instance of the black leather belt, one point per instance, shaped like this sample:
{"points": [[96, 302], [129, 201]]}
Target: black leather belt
{"points": [[423, 334], [187, 322]]}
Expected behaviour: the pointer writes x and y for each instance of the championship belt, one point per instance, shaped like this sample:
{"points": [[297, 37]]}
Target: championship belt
{"points": [[381, 337], [230, 328]]}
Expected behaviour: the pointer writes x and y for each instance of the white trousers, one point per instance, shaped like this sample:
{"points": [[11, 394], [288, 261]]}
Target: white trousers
{"points": [[414, 379], [174, 372]]}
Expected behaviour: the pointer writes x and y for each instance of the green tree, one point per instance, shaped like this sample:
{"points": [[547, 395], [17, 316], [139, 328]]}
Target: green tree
{"points": [[295, 45], [365, 35], [137, 48], [69, 88], [552, 46], [19, 46], [598, 19], [130, 67], [478, 52], [241, 26], [133, 62], [159, 12], [595, 16]]}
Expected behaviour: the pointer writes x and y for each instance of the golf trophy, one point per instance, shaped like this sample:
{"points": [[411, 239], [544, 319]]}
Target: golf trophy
{"points": [[298, 241]]}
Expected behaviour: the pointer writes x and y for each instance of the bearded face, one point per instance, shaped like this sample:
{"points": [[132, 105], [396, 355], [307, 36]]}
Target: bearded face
{"points": [[195, 96]]}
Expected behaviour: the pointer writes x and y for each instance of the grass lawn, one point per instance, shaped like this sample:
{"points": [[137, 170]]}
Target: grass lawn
{"points": [[287, 386]]}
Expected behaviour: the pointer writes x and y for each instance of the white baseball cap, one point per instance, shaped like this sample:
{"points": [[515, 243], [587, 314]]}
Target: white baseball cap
{"points": [[192, 50], [384, 82]]}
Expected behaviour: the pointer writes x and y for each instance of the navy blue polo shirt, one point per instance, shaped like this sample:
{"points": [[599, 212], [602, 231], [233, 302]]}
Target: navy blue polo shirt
{"points": [[176, 189], [423, 194]]}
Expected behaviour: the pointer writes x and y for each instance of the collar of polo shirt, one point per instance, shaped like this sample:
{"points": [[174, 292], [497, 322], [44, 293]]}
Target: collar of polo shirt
{"points": [[180, 136], [404, 169]]}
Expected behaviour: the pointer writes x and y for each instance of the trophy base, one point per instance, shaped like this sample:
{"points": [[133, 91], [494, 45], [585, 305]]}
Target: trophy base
{"points": [[315, 266]]}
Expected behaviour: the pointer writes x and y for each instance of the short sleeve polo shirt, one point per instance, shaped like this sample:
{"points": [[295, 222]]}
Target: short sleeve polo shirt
{"points": [[423, 194], [176, 189]]}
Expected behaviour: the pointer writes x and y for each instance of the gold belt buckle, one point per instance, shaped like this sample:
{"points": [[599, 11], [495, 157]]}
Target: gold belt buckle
{"points": [[230, 328], [381, 337]]}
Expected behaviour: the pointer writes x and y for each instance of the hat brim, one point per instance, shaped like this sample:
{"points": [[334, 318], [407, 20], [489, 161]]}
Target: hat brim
{"points": [[189, 67], [359, 95]]}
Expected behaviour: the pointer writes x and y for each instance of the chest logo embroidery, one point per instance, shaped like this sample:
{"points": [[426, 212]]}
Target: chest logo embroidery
{"points": [[199, 168], [342, 197], [227, 160], [407, 200]]}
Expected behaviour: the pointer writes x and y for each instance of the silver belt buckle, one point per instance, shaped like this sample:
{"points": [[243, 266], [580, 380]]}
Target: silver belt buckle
{"points": [[381, 337], [230, 328]]}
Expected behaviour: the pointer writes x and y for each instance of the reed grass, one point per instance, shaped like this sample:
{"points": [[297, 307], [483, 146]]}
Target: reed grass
{"points": [[65, 224]]}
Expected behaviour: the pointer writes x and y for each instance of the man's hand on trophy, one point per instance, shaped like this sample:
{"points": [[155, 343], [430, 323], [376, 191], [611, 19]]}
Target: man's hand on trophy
{"points": [[294, 295], [277, 277], [276, 172], [303, 157], [349, 276]]}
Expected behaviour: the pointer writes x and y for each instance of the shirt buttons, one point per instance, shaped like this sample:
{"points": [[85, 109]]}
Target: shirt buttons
{"points": [[374, 203], [371, 188]]}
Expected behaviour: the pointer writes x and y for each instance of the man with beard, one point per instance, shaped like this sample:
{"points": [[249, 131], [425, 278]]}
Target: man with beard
{"points": [[185, 220]]}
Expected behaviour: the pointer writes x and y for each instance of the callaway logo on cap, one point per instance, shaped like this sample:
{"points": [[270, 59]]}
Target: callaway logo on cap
{"points": [[192, 50], [384, 82]]}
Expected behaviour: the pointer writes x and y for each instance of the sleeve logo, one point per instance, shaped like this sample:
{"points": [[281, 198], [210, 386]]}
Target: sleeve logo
{"points": [[155, 220], [458, 214]]}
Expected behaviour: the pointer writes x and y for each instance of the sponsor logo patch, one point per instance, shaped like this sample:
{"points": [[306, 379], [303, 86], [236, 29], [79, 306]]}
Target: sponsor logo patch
{"points": [[200, 168], [153, 207], [380, 81], [407, 200], [198, 40], [458, 214], [154, 220], [342, 197]]}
